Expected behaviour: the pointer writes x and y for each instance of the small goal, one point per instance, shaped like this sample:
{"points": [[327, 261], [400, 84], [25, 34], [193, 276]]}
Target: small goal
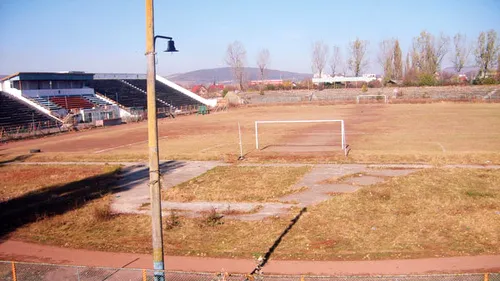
{"points": [[343, 144], [359, 97]]}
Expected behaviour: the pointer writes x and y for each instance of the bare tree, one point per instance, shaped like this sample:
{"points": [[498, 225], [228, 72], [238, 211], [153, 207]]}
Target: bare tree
{"points": [[409, 76], [498, 68], [486, 51], [429, 51], [319, 57], [263, 60], [407, 64], [386, 58], [336, 59], [398, 62], [236, 59], [461, 52], [357, 60]]}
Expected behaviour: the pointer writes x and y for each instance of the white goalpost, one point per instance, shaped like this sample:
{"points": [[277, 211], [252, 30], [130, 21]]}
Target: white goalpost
{"points": [[371, 96], [342, 129]]}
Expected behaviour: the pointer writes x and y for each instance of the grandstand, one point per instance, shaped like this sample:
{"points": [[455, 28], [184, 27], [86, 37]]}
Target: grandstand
{"points": [[18, 116], [131, 91], [72, 102], [92, 96], [45, 102], [122, 93], [166, 94]]}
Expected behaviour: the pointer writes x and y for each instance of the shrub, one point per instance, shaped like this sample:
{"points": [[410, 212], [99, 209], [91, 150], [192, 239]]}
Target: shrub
{"points": [[426, 80], [270, 87], [364, 88], [172, 221], [224, 92], [102, 212], [212, 218], [485, 81]]}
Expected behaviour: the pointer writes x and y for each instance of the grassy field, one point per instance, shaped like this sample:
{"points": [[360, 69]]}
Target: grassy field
{"points": [[238, 184], [434, 133], [431, 213]]}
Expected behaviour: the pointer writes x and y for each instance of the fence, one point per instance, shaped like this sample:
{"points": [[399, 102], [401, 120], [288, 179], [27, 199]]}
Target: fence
{"points": [[21, 271], [475, 94], [29, 130]]}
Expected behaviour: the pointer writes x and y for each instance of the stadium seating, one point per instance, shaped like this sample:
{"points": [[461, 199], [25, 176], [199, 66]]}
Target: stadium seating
{"points": [[15, 114], [70, 102], [45, 102], [166, 93], [121, 93], [95, 100]]}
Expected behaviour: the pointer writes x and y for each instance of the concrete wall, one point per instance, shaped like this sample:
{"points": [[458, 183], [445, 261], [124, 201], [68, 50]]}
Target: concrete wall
{"points": [[58, 92]]}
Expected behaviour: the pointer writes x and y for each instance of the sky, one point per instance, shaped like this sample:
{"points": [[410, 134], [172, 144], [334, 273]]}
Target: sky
{"points": [[109, 35]]}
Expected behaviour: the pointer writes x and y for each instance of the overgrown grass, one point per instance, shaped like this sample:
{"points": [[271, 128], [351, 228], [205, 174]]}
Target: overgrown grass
{"points": [[205, 236], [237, 184], [437, 212], [431, 213]]}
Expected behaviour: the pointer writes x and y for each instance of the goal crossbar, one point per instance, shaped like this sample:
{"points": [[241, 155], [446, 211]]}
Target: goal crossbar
{"points": [[360, 96], [342, 129]]}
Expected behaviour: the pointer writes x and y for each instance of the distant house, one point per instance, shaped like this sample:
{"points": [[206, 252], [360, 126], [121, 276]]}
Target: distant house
{"points": [[267, 82], [215, 88], [366, 78], [200, 90]]}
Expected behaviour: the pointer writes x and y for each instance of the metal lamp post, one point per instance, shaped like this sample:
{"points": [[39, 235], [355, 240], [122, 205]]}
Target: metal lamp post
{"points": [[154, 160]]}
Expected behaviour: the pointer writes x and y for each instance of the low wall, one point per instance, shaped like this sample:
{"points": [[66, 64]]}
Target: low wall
{"points": [[108, 122], [406, 94]]}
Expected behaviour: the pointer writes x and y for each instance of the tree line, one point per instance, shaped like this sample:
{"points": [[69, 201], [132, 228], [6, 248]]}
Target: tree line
{"points": [[422, 62]]}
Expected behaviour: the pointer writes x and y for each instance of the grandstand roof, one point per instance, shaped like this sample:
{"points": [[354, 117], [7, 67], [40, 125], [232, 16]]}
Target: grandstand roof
{"points": [[68, 75]]}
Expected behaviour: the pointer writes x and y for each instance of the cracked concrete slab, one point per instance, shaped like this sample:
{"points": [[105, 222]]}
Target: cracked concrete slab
{"points": [[320, 183], [134, 181], [363, 180], [390, 173]]}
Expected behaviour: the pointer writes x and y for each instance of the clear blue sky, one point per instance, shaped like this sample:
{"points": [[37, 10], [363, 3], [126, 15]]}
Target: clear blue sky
{"points": [[109, 35]]}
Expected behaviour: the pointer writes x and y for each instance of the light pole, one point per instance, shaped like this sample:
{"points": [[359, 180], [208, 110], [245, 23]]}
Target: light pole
{"points": [[154, 160]]}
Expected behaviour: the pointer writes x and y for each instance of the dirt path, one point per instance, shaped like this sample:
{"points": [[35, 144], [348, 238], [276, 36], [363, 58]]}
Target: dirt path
{"points": [[21, 251]]}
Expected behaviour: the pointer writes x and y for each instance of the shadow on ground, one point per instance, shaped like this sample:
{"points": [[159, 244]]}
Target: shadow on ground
{"points": [[277, 242], [139, 174], [19, 158], [58, 199]]}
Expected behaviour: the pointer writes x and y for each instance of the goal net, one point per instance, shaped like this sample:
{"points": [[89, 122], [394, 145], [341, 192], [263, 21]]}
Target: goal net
{"points": [[372, 97], [339, 136]]}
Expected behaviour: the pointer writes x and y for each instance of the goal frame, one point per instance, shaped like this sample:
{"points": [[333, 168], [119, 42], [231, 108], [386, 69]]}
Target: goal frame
{"points": [[341, 121], [358, 96]]}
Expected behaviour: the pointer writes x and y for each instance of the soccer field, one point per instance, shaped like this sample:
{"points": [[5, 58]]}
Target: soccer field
{"points": [[442, 132]]}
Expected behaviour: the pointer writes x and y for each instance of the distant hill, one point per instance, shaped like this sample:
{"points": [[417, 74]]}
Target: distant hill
{"points": [[224, 75], [468, 70]]}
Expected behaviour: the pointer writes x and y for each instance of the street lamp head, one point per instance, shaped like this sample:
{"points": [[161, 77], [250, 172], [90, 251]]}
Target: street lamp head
{"points": [[171, 47]]}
